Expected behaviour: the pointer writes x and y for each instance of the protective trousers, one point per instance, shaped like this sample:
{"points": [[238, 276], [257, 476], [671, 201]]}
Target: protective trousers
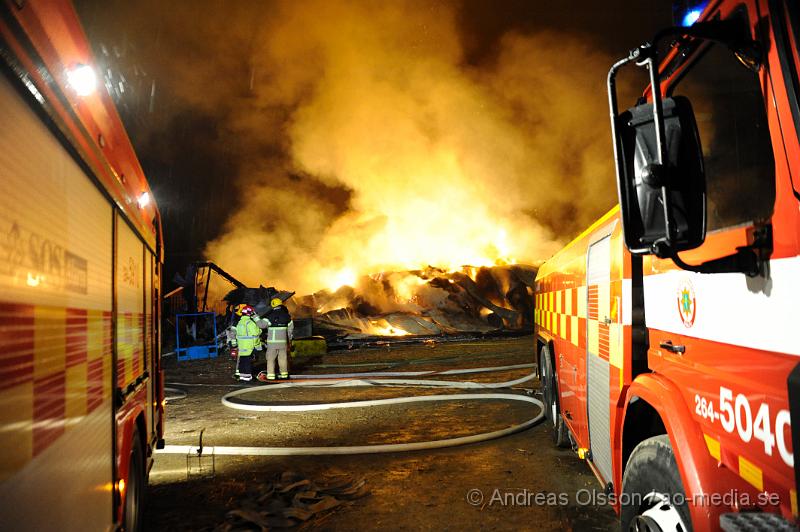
{"points": [[279, 352], [245, 367]]}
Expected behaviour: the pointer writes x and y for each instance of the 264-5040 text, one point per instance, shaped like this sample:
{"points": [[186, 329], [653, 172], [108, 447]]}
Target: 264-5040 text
{"points": [[736, 415]]}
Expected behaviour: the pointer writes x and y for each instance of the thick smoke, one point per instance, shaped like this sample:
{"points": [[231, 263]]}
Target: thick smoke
{"points": [[446, 164], [365, 141]]}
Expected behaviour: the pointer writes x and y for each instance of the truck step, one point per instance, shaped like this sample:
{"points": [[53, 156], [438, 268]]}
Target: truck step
{"points": [[754, 522]]}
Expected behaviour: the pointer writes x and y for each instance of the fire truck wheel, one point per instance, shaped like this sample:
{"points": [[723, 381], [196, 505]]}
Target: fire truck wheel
{"points": [[652, 496], [546, 383], [559, 431], [134, 491]]}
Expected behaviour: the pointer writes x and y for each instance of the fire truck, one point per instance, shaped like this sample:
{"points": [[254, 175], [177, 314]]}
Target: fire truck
{"points": [[668, 332], [81, 391]]}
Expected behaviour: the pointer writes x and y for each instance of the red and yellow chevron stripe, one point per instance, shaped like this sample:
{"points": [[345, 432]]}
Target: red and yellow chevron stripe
{"points": [[55, 368]]}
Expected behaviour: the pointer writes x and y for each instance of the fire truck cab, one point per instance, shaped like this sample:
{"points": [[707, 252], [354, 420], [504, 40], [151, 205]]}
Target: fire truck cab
{"points": [[668, 332]]}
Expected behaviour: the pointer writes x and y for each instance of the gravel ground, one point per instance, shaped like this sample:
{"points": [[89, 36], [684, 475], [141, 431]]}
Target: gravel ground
{"points": [[525, 483]]}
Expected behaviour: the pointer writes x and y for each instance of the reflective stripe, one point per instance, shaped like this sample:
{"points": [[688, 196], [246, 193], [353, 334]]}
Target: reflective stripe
{"points": [[274, 334], [730, 309], [248, 337]]}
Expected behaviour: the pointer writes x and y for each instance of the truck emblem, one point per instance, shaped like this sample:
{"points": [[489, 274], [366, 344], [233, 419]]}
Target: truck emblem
{"points": [[687, 303]]}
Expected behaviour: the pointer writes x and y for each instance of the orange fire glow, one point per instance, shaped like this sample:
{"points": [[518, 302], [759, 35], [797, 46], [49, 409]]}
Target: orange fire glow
{"points": [[432, 163]]}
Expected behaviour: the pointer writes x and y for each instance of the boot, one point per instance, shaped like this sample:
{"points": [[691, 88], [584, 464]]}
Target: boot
{"points": [[264, 377]]}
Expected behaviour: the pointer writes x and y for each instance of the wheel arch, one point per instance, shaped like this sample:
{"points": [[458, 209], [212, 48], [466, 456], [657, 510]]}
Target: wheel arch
{"points": [[642, 421], [131, 422], [656, 407]]}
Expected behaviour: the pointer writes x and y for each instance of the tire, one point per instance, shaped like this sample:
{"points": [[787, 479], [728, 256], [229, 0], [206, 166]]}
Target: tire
{"points": [[545, 383], [653, 497], [134, 489], [560, 434], [558, 429]]}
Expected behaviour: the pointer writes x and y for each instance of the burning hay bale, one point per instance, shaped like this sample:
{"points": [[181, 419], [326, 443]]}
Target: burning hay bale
{"points": [[291, 500], [426, 302]]}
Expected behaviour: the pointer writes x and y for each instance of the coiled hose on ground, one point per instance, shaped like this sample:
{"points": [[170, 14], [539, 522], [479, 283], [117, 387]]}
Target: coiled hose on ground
{"points": [[377, 379]]}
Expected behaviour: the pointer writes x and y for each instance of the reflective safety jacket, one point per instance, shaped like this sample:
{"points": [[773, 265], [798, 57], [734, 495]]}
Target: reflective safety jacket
{"points": [[281, 326], [280, 335], [248, 336]]}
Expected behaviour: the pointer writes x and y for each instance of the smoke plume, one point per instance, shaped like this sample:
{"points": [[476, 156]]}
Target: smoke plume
{"points": [[445, 164], [367, 142]]}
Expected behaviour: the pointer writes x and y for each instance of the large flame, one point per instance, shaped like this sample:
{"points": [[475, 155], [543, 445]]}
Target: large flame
{"points": [[381, 328], [395, 155]]}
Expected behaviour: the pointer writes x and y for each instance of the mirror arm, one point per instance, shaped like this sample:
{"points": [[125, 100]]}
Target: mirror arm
{"points": [[658, 110], [750, 260], [745, 261], [613, 104]]}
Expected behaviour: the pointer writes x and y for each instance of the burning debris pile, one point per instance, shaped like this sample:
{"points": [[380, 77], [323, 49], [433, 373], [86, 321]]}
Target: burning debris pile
{"points": [[432, 301]]}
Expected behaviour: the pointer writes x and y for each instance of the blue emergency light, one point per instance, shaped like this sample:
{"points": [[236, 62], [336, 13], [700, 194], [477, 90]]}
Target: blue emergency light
{"points": [[687, 12], [691, 17]]}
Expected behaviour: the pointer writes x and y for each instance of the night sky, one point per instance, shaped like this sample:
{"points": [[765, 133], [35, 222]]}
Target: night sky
{"points": [[179, 123]]}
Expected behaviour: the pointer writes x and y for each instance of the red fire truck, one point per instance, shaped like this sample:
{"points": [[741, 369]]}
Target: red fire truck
{"points": [[669, 331], [81, 386]]}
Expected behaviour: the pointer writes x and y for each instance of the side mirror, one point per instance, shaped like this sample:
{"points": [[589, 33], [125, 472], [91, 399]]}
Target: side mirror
{"points": [[662, 195], [659, 161]]}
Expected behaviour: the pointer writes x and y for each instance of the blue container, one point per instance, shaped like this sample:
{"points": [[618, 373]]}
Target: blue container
{"points": [[196, 352]]}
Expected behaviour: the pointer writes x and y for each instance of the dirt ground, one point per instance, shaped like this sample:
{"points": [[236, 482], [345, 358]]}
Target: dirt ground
{"points": [[520, 482]]}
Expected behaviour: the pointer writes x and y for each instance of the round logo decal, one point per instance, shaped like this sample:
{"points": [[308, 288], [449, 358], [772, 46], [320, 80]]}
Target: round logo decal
{"points": [[687, 303]]}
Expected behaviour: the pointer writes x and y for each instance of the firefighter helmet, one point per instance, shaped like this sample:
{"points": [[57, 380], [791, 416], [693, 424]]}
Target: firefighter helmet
{"points": [[244, 310], [275, 302]]}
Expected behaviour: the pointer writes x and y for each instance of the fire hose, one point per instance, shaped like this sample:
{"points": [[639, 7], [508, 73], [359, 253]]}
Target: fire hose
{"points": [[174, 394], [377, 379]]}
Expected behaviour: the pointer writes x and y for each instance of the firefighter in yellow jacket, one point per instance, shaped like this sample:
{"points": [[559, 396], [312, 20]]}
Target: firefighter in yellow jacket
{"points": [[279, 336], [248, 339]]}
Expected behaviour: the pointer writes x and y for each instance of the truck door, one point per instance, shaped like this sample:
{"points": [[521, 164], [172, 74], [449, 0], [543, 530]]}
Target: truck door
{"points": [[598, 280]]}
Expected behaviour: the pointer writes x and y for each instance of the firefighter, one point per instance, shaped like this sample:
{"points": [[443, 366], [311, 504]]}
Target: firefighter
{"points": [[279, 335], [248, 339]]}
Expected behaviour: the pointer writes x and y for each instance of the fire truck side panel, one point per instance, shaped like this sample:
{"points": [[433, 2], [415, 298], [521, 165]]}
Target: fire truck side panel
{"points": [[586, 318], [40, 43], [150, 405], [133, 364], [598, 370], [130, 288], [55, 332]]}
